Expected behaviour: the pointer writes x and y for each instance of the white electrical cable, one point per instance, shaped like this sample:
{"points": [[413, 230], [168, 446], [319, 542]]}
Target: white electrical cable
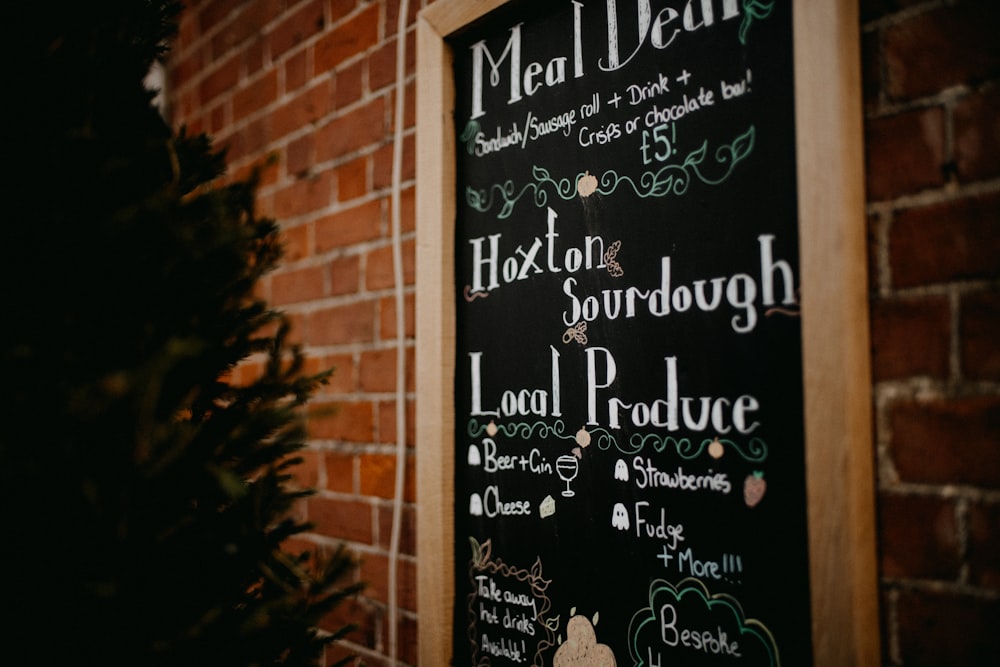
{"points": [[398, 279]]}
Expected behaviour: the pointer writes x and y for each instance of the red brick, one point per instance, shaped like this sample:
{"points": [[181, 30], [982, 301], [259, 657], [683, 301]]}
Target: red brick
{"points": [[392, 18], [351, 421], [980, 327], [258, 135], [297, 285], [296, 71], [407, 532], [351, 38], [352, 179], [947, 441], [355, 225], [387, 316], [406, 638], [188, 31], [953, 240], [256, 95], [941, 628], [234, 144], [380, 273], [378, 370], [313, 365], [408, 210], [340, 325], [341, 8], [246, 24], [954, 45], [382, 171], [911, 337], [387, 424], [306, 472], [984, 547], [343, 379], [182, 70], [382, 63], [187, 107], [919, 537], [250, 140], [904, 153], [349, 520], [349, 84], [268, 172], [364, 126], [296, 27], [296, 242], [378, 473], [382, 66], [874, 237], [305, 195], [253, 57], [375, 571], [221, 80], [216, 120], [382, 167], [211, 14], [409, 108], [229, 36], [977, 135], [306, 108], [339, 472], [300, 155], [345, 275]]}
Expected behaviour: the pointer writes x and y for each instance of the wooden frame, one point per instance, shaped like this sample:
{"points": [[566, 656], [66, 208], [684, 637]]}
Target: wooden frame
{"points": [[839, 456]]}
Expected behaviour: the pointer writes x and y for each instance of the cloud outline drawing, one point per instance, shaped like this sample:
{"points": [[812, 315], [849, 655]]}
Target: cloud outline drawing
{"points": [[693, 591]]}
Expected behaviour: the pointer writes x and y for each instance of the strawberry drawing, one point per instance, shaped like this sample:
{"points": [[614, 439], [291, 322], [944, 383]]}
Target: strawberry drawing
{"points": [[754, 487]]}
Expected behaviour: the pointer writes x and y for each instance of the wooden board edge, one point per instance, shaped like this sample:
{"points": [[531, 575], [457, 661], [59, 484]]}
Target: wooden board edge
{"points": [[435, 323], [435, 346], [836, 352], [447, 16]]}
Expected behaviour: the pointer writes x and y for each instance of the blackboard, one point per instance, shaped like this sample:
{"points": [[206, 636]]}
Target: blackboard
{"points": [[628, 436]]}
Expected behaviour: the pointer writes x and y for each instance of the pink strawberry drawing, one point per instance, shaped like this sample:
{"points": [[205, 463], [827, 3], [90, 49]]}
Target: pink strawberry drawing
{"points": [[754, 487]]}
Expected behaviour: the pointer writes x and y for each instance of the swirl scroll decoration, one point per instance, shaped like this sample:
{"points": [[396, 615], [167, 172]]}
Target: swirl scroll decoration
{"points": [[668, 180]]}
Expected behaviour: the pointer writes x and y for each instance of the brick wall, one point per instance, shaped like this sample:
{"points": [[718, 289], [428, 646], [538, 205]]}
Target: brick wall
{"points": [[312, 82], [932, 107]]}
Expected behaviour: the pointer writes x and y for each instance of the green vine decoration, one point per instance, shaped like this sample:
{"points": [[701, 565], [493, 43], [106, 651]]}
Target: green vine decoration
{"points": [[753, 10], [470, 131], [754, 451], [670, 179]]}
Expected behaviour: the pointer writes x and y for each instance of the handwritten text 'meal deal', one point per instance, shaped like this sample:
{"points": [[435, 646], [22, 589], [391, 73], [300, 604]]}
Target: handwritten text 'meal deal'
{"points": [[658, 29]]}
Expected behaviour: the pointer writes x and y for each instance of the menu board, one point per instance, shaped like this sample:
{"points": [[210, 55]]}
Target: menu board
{"points": [[629, 458]]}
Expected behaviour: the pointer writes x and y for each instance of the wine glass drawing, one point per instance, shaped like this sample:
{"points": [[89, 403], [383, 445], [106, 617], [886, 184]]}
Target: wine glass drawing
{"points": [[567, 466]]}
